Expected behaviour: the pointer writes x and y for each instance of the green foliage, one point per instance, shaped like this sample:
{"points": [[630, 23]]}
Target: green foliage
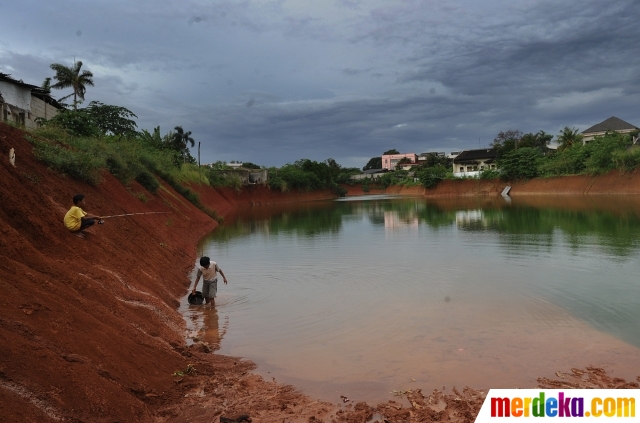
{"points": [[601, 151], [569, 137], [520, 164], [392, 151], [112, 120], [77, 123], [71, 77], [430, 176], [228, 179], [78, 164], [373, 163], [627, 161], [490, 174], [147, 180], [393, 178], [249, 165], [569, 161], [97, 120]]}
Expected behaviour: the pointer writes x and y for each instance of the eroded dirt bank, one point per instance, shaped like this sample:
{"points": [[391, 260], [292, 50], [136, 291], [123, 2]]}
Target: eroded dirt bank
{"points": [[613, 182], [89, 330]]}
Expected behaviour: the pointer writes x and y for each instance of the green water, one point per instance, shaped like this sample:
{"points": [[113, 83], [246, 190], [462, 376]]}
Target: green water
{"points": [[364, 296]]}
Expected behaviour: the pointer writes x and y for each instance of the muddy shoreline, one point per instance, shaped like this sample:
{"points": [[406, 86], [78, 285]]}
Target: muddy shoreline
{"points": [[89, 328]]}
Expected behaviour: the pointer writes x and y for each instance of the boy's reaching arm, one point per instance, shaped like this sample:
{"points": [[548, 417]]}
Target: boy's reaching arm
{"points": [[223, 276], [197, 280]]}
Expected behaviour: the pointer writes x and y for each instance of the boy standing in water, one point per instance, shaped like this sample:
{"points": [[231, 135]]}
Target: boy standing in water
{"points": [[209, 271]]}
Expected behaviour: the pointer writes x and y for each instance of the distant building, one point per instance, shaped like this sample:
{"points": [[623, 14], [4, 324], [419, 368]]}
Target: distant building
{"points": [[22, 103], [390, 161], [370, 174], [470, 163], [612, 124], [423, 156]]}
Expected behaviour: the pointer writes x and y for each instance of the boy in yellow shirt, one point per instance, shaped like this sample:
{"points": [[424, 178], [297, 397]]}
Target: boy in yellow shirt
{"points": [[209, 271], [76, 219]]}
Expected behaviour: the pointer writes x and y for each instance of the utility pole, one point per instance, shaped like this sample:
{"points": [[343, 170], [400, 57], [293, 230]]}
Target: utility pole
{"points": [[198, 153]]}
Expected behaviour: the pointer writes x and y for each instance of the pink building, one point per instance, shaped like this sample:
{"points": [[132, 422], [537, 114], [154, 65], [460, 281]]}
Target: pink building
{"points": [[389, 161]]}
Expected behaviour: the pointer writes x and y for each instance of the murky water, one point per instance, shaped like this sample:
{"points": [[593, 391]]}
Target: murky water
{"points": [[369, 295]]}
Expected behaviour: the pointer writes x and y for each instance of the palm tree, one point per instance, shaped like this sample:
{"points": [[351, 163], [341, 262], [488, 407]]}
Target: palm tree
{"points": [[182, 140], [46, 85], [568, 137], [70, 77]]}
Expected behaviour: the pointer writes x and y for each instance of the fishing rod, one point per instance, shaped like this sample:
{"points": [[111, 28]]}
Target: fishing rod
{"points": [[129, 214]]}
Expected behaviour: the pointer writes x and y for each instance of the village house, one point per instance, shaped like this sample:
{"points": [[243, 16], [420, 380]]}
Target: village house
{"points": [[22, 103], [470, 163], [390, 161], [612, 124]]}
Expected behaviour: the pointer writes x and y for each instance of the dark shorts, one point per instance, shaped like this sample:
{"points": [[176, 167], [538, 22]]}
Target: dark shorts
{"points": [[210, 288], [86, 223]]}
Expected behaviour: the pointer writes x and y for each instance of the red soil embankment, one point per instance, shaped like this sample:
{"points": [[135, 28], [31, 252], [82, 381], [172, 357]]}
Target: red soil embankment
{"points": [[613, 182], [89, 328]]}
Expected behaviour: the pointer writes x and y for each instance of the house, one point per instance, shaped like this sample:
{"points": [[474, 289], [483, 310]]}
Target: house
{"points": [[246, 176], [612, 124], [370, 174], [470, 163], [423, 157], [389, 161], [22, 103]]}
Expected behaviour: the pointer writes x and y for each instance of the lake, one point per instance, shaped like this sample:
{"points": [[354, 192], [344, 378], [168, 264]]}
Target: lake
{"points": [[366, 295]]}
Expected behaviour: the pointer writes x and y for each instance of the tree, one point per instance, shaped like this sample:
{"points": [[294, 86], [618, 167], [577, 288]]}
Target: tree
{"points": [[506, 141], [568, 137], [180, 141], [70, 77], [114, 120], [249, 165], [46, 85], [393, 151], [373, 163]]}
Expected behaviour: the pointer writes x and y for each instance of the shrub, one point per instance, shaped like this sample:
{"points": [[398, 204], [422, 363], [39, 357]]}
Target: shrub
{"points": [[147, 180], [520, 164], [490, 174], [74, 163], [430, 176], [627, 161]]}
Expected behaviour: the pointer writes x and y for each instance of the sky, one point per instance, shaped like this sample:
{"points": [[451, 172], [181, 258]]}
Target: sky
{"points": [[274, 81]]}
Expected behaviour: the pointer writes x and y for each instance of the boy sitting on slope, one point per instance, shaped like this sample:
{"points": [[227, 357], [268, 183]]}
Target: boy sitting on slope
{"points": [[209, 271], [76, 219]]}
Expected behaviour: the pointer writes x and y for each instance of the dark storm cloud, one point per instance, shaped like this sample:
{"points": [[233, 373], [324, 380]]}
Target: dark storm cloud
{"points": [[273, 81]]}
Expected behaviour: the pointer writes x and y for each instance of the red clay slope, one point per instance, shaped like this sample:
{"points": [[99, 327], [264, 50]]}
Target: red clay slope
{"points": [[88, 327]]}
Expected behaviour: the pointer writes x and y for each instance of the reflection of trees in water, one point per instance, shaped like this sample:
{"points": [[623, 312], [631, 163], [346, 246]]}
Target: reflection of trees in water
{"points": [[516, 224]]}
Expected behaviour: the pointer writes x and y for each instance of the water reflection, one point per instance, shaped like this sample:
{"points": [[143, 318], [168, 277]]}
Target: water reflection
{"points": [[337, 294]]}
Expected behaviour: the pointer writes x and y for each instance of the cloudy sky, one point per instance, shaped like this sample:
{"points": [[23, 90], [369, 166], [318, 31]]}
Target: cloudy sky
{"points": [[273, 81]]}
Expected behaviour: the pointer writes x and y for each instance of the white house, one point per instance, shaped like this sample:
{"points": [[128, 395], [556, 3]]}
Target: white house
{"points": [[23, 103]]}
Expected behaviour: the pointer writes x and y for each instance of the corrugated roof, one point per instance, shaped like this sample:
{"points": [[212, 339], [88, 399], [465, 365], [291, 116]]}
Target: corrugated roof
{"points": [[7, 78], [485, 153], [611, 124]]}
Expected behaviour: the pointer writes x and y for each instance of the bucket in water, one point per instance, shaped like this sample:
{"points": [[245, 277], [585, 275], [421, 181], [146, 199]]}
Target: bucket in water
{"points": [[196, 299]]}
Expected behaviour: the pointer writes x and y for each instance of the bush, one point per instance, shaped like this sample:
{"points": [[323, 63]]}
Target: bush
{"points": [[74, 163], [627, 161], [430, 176], [147, 180], [490, 174], [520, 164]]}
